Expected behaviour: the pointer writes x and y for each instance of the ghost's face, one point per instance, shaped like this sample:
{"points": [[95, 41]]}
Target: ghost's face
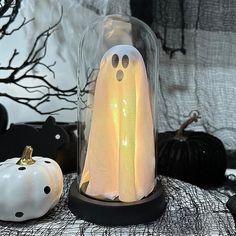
{"points": [[124, 63], [120, 62]]}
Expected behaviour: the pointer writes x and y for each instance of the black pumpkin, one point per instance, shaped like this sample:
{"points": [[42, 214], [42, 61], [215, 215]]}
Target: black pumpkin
{"points": [[195, 157]]}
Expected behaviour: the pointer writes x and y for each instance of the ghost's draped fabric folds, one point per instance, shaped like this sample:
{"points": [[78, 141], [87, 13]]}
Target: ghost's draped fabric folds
{"points": [[120, 160]]}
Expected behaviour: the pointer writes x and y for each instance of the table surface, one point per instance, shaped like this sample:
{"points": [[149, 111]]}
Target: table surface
{"points": [[190, 211]]}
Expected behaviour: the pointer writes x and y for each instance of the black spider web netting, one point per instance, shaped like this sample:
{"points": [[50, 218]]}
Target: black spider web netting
{"points": [[190, 211]]}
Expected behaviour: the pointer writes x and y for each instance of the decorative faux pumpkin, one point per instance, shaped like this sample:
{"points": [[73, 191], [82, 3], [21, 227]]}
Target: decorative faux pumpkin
{"points": [[30, 187], [195, 157]]}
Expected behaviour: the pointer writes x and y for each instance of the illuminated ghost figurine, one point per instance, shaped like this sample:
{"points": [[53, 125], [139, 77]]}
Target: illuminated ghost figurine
{"points": [[120, 160]]}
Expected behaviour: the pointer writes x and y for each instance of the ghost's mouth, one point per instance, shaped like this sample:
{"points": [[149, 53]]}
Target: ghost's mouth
{"points": [[119, 75]]}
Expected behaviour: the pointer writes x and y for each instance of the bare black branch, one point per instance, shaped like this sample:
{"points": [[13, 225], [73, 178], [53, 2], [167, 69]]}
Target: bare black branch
{"points": [[8, 12], [23, 74], [87, 88]]}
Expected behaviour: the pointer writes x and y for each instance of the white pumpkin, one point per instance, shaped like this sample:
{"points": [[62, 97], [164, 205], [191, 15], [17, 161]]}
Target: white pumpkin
{"points": [[29, 187]]}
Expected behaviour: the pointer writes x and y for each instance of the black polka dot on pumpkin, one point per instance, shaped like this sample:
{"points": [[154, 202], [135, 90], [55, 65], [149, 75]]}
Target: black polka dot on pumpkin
{"points": [[21, 168], [19, 214], [47, 162], [47, 189]]}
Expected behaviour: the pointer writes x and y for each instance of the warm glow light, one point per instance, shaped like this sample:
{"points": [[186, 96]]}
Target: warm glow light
{"points": [[120, 158]]}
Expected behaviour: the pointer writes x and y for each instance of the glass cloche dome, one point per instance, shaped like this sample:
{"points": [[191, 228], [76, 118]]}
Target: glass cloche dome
{"points": [[117, 84]]}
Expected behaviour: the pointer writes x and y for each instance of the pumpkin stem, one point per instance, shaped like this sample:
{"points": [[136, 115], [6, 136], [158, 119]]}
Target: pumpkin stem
{"points": [[194, 118], [26, 158]]}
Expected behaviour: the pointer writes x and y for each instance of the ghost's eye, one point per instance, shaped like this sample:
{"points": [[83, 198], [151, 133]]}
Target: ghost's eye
{"points": [[115, 60], [125, 61]]}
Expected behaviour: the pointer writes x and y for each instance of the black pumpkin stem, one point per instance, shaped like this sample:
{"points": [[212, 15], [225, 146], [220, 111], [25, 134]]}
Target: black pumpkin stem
{"points": [[180, 132]]}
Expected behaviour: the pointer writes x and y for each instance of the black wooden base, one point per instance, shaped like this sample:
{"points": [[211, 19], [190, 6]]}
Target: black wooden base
{"points": [[114, 213]]}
